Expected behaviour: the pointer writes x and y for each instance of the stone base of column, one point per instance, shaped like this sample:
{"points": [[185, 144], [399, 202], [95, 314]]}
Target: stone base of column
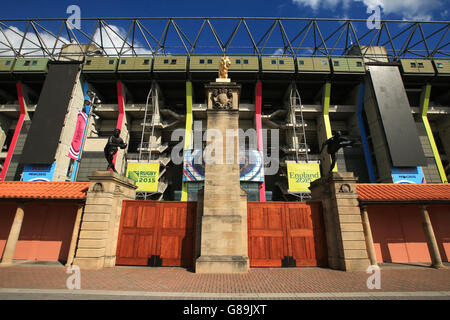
{"points": [[95, 263], [346, 242], [222, 264], [438, 266], [222, 238], [97, 241]]}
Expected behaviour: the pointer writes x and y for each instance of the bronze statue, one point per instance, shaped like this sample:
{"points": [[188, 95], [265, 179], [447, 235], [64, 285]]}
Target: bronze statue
{"points": [[111, 147], [335, 143], [225, 63]]}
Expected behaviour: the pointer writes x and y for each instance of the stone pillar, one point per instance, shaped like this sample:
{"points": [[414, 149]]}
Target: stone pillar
{"points": [[343, 226], [101, 219], [13, 237], [368, 236], [222, 219], [436, 261], [75, 233]]}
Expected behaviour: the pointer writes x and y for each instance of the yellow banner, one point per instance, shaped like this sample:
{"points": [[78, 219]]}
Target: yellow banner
{"points": [[300, 176], [145, 175]]}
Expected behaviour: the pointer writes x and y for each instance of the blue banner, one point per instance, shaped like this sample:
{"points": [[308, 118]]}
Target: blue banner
{"points": [[39, 172], [408, 175]]}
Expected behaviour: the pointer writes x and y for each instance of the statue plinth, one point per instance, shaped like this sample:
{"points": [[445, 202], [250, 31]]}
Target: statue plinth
{"points": [[222, 241], [223, 80]]}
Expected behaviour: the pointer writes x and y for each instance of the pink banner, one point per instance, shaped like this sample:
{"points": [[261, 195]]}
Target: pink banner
{"points": [[77, 140]]}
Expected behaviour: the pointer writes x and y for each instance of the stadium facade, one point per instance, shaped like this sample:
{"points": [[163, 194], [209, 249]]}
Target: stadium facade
{"points": [[388, 92]]}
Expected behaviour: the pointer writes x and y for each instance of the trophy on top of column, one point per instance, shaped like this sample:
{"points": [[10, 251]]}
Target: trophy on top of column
{"points": [[224, 65]]}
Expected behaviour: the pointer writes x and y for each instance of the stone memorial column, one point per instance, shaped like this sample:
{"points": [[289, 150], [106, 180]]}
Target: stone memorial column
{"points": [[222, 245]]}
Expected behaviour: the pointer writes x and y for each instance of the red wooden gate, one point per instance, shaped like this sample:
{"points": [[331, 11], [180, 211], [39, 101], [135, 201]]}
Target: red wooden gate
{"points": [[286, 234], [157, 233]]}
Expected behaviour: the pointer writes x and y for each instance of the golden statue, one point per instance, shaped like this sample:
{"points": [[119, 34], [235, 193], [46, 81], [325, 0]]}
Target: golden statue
{"points": [[223, 68]]}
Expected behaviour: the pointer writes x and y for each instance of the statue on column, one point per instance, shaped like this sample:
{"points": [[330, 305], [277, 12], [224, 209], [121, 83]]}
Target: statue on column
{"points": [[225, 63], [114, 143], [335, 143]]}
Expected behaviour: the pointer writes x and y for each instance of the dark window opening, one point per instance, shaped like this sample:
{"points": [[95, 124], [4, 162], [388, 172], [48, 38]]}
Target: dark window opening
{"points": [[302, 62], [202, 61], [245, 61], [173, 61], [238, 61], [359, 64], [413, 65], [209, 61], [166, 61], [111, 61], [146, 62], [336, 63], [88, 62], [27, 63], [281, 62], [274, 61], [123, 61]]}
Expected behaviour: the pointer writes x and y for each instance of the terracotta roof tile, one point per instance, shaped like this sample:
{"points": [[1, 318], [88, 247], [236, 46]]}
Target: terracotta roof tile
{"points": [[43, 190], [403, 192]]}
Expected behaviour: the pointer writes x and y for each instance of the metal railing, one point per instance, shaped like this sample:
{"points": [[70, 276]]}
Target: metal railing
{"points": [[221, 36]]}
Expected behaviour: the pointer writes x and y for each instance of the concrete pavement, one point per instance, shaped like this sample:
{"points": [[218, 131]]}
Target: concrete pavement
{"points": [[37, 281]]}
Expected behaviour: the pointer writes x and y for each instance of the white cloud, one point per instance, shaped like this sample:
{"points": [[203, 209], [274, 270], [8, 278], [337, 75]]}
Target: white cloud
{"points": [[12, 36], [316, 4], [278, 52], [111, 39], [408, 9]]}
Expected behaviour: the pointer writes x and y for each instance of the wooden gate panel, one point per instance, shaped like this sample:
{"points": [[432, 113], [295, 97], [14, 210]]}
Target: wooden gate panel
{"points": [[156, 233], [286, 234], [137, 234], [177, 234], [305, 234], [266, 234]]}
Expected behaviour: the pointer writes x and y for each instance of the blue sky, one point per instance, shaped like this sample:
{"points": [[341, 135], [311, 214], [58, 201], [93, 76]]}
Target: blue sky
{"points": [[435, 10], [391, 9]]}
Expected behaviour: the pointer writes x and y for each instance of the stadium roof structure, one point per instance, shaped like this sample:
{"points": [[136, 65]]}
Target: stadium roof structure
{"points": [[254, 36]]}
